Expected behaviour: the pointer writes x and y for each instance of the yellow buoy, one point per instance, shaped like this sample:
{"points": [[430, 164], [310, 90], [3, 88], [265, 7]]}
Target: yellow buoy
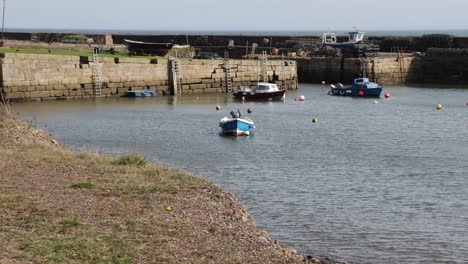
{"points": [[314, 120], [439, 106]]}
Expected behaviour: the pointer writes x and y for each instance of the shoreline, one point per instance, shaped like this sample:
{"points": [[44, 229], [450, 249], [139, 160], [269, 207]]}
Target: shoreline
{"points": [[63, 206]]}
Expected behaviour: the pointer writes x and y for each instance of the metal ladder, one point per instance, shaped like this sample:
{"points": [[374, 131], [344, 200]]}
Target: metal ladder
{"points": [[95, 76], [228, 72], [401, 64], [264, 66], [176, 81], [283, 73]]}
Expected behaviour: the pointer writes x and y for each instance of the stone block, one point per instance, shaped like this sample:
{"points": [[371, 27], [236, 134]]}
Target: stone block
{"points": [[207, 80], [114, 85], [85, 80], [196, 91], [198, 86], [211, 90]]}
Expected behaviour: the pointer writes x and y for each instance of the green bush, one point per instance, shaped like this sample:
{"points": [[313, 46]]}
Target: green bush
{"points": [[83, 185], [130, 160]]}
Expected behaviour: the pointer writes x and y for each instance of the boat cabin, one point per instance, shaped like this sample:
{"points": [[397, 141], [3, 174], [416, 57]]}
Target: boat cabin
{"points": [[328, 38], [266, 88], [356, 36], [363, 83], [361, 80]]}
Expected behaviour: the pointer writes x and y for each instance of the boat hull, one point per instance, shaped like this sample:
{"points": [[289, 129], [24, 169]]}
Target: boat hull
{"points": [[244, 95], [236, 126], [141, 93], [147, 48], [354, 92]]}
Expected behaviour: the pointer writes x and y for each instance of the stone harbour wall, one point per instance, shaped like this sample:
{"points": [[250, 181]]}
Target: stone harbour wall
{"points": [[44, 77], [385, 71], [207, 76], [388, 71]]}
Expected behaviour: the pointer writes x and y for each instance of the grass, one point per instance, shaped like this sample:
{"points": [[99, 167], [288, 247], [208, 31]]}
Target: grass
{"points": [[131, 160], [69, 52], [83, 185]]}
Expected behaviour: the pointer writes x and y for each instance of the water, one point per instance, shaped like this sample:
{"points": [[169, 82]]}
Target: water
{"points": [[370, 182]]}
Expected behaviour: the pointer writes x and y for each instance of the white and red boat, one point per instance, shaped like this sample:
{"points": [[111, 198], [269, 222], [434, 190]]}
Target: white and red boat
{"points": [[261, 91]]}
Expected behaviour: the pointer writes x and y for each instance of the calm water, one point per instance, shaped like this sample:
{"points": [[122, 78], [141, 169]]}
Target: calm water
{"points": [[371, 183]]}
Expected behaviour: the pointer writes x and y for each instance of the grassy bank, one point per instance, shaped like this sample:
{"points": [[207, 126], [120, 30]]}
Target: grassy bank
{"points": [[57, 206], [120, 51]]}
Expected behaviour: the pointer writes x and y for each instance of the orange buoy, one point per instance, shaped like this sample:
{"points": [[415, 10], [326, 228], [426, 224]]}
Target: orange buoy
{"points": [[387, 95], [249, 110], [360, 93], [218, 107]]}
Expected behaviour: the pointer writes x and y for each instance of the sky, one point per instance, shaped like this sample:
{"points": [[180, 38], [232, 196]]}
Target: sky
{"points": [[225, 15]]}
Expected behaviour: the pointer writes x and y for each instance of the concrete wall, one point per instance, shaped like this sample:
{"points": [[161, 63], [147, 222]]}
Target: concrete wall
{"points": [[41, 77], [386, 70]]}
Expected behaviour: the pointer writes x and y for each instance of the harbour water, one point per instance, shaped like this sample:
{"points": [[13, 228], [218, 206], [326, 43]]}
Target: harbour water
{"points": [[373, 181]]}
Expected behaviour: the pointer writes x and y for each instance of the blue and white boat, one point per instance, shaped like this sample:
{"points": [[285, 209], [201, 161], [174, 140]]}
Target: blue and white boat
{"points": [[235, 125], [361, 87], [354, 37], [141, 93]]}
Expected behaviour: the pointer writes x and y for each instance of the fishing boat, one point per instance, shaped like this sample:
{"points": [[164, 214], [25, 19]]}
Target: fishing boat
{"points": [[141, 93], [361, 87], [147, 48], [263, 90], [236, 125], [354, 37]]}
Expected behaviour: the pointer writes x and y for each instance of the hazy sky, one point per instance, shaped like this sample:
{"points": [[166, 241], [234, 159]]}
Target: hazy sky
{"points": [[237, 14]]}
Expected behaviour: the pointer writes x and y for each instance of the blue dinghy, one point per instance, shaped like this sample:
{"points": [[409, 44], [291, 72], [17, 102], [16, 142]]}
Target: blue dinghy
{"points": [[141, 93], [235, 125], [362, 87]]}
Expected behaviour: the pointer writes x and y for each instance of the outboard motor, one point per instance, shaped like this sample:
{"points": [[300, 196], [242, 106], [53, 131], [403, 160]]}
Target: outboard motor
{"points": [[234, 114]]}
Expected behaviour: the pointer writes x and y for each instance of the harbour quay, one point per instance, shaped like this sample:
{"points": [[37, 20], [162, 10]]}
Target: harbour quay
{"points": [[238, 60]]}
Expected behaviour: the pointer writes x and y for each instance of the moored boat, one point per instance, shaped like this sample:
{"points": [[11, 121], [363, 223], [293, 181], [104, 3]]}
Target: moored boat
{"points": [[361, 87], [263, 90], [147, 48], [354, 37], [141, 93], [236, 125]]}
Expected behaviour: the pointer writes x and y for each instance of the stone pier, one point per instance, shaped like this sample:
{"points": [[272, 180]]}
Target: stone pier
{"points": [[43, 77], [388, 71]]}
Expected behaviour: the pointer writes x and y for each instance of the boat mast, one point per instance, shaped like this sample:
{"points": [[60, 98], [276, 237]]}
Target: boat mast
{"points": [[3, 22]]}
